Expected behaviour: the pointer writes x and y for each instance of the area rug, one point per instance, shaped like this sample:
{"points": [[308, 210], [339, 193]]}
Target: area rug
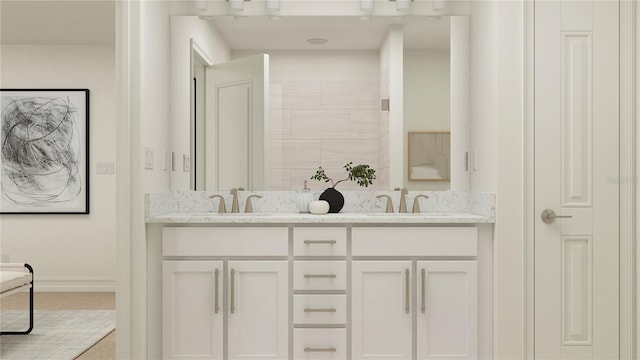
{"points": [[57, 334]]}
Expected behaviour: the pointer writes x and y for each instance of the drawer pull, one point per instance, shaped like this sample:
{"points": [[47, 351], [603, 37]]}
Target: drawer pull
{"points": [[330, 349], [406, 288], [217, 307], [233, 291], [311, 242], [424, 305], [320, 276], [329, 310]]}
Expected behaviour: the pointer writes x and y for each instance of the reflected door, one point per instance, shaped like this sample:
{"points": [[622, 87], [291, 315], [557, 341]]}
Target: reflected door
{"points": [[576, 167], [236, 124]]}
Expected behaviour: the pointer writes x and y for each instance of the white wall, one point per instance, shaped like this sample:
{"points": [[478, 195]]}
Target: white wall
{"points": [[69, 252], [426, 101], [497, 128], [391, 76], [154, 94], [206, 36]]}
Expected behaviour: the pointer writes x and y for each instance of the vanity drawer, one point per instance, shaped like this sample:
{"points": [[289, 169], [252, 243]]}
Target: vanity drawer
{"points": [[320, 344], [319, 241], [225, 241], [319, 275], [414, 241], [320, 309]]}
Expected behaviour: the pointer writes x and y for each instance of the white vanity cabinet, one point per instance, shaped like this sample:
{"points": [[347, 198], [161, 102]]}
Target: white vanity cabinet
{"points": [[251, 295], [382, 314], [447, 309], [192, 310], [320, 292], [392, 286]]}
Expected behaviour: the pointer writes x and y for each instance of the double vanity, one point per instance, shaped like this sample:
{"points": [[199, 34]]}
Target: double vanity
{"points": [[277, 284]]}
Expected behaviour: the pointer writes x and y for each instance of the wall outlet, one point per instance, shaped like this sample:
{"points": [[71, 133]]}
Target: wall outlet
{"points": [[105, 168], [148, 158], [186, 163]]}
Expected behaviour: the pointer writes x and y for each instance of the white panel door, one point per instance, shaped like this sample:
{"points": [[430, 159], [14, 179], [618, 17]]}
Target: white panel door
{"points": [[381, 310], [576, 176], [447, 310], [258, 310], [192, 315]]}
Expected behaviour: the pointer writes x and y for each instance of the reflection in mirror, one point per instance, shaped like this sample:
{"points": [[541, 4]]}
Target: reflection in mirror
{"points": [[429, 156], [325, 101]]}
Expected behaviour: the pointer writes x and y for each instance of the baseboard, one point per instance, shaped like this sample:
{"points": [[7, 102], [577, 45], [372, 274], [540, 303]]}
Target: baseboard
{"points": [[75, 284]]}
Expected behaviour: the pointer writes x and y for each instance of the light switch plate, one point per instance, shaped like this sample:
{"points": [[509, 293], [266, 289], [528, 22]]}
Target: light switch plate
{"points": [[148, 158], [105, 168], [186, 163], [167, 160]]}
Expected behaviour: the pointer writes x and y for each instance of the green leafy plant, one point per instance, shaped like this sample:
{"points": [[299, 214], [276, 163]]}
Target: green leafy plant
{"points": [[362, 174]]}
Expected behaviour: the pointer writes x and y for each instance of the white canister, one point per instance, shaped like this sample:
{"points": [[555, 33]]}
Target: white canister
{"points": [[319, 207], [304, 199]]}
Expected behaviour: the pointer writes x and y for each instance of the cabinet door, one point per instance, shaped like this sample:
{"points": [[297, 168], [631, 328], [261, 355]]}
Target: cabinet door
{"points": [[192, 320], [447, 326], [258, 310], [381, 308]]}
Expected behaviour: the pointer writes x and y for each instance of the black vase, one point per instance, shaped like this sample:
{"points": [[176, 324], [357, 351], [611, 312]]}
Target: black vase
{"points": [[334, 198]]}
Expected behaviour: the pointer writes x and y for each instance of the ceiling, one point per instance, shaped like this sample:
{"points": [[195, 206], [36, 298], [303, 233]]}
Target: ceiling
{"points": [[342, 33], [57, 22]]}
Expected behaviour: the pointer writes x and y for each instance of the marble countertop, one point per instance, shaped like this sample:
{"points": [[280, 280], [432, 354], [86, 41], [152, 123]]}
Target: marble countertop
{"points": [[339, 218]]}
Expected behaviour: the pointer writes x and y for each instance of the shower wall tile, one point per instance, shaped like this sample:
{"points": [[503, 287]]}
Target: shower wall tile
{"points": [[301, 96], [280, 123], [320, 123], [350, 95], [365, 124]]}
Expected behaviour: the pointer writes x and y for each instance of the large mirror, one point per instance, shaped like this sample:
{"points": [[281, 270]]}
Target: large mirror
{"points": [[339, 89]]}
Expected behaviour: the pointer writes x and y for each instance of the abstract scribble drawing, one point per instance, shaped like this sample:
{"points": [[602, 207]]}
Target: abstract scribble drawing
{"points": [[41, 151]]}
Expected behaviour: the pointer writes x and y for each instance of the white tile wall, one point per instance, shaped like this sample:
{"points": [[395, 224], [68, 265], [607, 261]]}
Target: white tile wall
{"points": [[325, 123]]}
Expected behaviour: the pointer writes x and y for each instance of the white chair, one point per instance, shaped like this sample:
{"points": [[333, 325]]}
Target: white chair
{"points": [[15, 277]]}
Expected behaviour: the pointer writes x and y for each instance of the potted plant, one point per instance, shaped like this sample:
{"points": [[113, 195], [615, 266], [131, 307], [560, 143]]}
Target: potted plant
{"points": [[362, 174]]}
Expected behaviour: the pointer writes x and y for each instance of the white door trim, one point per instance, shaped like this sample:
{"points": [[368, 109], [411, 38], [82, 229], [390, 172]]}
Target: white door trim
{"points": [[629, 138]]}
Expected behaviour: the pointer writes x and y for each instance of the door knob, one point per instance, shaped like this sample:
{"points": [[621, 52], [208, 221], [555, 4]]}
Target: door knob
{"points": [[548, 216]]}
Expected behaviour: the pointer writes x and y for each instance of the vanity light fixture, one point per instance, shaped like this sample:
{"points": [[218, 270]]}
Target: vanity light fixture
{"points": [[236, 5], [199, 5], [439, 5], [366, 5], [402, 5], [273, 5], [317, 41]]}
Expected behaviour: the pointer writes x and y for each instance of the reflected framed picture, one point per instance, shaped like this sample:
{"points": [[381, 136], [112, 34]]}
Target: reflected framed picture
{"points": [[429, 155], [45, 151]]}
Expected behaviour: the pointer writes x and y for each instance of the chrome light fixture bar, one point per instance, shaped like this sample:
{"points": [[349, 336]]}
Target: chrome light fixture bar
{"points": [[273, 5], [237, 5]]}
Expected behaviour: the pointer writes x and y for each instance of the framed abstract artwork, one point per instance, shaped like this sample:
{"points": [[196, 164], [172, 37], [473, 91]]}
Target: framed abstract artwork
{"points": [[44, 139], [429, 155]]}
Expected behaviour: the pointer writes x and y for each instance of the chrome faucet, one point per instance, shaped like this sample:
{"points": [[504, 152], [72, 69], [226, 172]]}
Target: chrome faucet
{"points": [[222, 208], [235, 208], [247, 207], [403, 199], [389, 209], [416, 203]]}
